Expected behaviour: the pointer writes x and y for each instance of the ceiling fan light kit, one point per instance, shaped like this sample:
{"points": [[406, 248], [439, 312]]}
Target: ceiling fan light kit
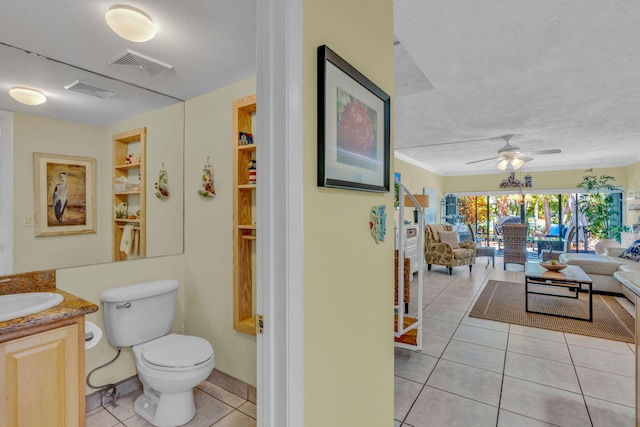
{"points": [[130, 23], [515, 163], [27, 95], [510, 154]]}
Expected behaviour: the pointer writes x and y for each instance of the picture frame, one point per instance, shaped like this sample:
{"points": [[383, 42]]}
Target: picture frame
{"points": [[65, 194], [354, 137]]}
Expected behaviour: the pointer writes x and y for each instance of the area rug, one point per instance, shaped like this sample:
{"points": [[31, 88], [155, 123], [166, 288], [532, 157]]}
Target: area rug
{"points": [[505, 302]]}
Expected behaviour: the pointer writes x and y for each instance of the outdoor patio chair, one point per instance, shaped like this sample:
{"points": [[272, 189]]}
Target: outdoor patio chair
{"points": [[515, 243]]}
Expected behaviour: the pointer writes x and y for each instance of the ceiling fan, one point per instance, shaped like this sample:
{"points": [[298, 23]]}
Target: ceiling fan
{"points": [[511, 155]]}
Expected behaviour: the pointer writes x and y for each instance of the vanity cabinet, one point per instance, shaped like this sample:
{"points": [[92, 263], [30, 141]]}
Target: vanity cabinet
{"points": [[43, 376], [129, 194], [244, 222]]}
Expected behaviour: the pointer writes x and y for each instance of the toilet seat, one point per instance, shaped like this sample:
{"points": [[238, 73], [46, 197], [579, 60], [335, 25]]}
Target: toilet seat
{"points": [[176, 352]]}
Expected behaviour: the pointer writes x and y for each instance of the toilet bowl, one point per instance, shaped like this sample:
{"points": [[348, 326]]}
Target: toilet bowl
{"points": [[169, 365], [169, 368]]}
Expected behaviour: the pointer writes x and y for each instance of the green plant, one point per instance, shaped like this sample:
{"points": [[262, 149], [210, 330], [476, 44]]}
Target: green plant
{"points": [[599, 207]]}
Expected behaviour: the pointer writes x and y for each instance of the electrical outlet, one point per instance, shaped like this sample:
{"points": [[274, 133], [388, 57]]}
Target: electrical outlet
{"points": [[28, 219]]}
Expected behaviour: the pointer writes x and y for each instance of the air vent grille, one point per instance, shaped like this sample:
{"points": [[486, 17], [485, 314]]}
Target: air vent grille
{"points": [[90, 89], [137, 62]]}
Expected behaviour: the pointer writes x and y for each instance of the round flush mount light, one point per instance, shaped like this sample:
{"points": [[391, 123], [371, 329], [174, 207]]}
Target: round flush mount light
{"points": [[130, 23], [27, 95]]}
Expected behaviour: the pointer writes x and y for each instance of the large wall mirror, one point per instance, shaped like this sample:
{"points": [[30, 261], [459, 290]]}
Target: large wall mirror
{"points": [[200, 46], [81, 123]]}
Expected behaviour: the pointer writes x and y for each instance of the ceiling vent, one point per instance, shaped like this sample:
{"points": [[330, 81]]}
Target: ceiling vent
{"points": [[137, 62], [90, 89]]}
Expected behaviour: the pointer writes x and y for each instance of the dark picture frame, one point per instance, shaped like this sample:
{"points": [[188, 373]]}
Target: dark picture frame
{"points": [[354, 137]]}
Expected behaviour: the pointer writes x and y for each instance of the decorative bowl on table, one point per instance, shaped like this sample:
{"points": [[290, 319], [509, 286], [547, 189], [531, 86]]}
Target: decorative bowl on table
{"points": [[553, 267]]}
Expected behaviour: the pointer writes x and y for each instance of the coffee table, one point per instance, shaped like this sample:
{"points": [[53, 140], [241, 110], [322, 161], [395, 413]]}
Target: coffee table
{"points": [[572, 277]]}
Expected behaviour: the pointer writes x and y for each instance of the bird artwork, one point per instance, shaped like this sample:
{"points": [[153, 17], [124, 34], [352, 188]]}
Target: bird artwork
{"points": [[60, 196]]}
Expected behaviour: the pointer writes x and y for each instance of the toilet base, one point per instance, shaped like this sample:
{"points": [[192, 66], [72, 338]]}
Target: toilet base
{"points": [[167, 410]]}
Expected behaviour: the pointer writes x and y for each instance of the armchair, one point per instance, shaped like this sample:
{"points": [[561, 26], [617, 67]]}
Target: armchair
{"points": [[441, 247]]}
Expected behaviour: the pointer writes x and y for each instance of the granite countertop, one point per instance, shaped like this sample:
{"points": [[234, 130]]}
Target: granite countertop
{"points": [[71, 306], [629, 279]]}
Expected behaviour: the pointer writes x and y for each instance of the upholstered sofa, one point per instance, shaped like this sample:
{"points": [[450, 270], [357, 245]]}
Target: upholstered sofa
{"points": [[441, 247], [601, 268]]}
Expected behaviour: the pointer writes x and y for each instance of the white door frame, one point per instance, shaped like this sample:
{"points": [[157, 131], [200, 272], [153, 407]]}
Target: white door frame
{"points": [[279, 115], [6, 192]]}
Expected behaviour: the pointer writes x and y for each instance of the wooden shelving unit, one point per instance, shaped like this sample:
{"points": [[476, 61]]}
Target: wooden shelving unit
{"points": [[408, 328], [244, 224], [124, 144]]}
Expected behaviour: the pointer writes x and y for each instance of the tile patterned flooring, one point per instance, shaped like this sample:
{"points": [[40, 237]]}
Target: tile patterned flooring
{"points": [[475, 372], [215, 407], [471, 372]]}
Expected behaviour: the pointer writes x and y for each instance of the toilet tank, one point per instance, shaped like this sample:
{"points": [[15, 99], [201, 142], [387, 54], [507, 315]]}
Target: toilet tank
{"points": [[140, 312]]}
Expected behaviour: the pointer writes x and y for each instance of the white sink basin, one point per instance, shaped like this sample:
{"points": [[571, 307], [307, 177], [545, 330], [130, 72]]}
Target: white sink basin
{"points": [[13, 306]]}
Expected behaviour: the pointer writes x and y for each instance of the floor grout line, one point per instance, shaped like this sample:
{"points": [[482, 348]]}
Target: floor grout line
{"points": [[458, 282]]}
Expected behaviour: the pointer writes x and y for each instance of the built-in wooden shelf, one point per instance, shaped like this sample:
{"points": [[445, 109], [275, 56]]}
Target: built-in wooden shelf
{"points": [[124, 144], [411, 337], [244, 226], [127, 166]]}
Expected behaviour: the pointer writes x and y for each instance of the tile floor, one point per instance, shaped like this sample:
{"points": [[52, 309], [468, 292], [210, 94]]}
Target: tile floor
{"points": [[215, 407], [475, 372], [471, 372]]}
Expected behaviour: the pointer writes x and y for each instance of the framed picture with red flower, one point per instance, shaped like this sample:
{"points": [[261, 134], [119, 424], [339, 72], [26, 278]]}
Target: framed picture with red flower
{"points": [[353, 127]]}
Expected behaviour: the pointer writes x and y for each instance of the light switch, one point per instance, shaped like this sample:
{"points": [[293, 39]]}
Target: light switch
{"points": [[28, 219]]}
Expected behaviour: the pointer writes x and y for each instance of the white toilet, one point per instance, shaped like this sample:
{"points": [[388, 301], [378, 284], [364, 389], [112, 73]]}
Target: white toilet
{"points": [[169, 366]]}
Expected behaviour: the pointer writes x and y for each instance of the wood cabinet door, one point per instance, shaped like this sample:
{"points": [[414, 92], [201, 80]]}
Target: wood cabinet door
{"points": [[40, 374]]}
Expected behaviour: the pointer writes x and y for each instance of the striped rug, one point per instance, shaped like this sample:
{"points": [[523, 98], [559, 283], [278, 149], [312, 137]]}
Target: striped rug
{"points": [[505, 302]]}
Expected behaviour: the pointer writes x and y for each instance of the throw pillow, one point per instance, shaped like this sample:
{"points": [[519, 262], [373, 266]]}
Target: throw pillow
{"points": [[632, 252], [450, 237]]}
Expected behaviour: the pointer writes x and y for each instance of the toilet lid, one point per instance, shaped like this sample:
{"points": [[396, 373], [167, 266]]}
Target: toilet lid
{"points": [[177, 351]]}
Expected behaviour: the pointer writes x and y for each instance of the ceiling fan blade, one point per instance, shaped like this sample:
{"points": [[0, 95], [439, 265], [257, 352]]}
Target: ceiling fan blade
{"points": [[451, 142], [525, 158], [553, 151], [483, 160]]}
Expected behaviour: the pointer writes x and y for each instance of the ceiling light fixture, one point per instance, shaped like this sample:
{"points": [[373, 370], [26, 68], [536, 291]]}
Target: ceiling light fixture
{"points": [[27, 95], [130, 23], [515, 163]]}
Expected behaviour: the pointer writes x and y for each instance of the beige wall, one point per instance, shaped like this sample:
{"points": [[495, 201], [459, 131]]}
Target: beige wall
{"points": [[567, 179], [204, 271], [348, 278], [415, 179], [164, 218], [209, 231], [38, 134], [165, 132]]}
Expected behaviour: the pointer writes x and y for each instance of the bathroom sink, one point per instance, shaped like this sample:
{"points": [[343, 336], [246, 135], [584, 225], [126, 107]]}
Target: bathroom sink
{"points": [[13, 306]]}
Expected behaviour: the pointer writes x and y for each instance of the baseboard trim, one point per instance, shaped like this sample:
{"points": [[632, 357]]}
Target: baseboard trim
{"points": [[231, 384], [234, 385]]}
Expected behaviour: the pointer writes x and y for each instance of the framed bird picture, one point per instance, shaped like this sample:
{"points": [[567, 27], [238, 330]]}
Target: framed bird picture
{"points": [[65, 194]]}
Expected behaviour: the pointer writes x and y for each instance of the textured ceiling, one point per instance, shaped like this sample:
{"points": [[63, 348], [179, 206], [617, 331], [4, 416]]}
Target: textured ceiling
{"points": [[556, 74]]}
